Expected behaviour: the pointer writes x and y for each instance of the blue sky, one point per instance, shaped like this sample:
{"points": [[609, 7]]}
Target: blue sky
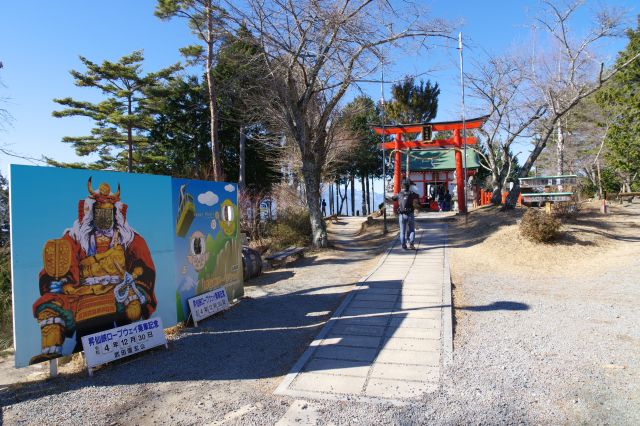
{"points": [[41, 42]]}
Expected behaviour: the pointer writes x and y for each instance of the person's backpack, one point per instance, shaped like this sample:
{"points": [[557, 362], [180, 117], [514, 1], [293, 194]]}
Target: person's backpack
{"points": [[404, 202]]}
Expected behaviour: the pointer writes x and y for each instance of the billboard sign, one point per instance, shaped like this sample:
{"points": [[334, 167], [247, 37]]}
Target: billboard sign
{"points": [[94, 250], [208, 251]]}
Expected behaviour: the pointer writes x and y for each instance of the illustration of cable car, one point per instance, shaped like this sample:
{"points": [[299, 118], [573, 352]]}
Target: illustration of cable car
{"points": [[186, 212]]}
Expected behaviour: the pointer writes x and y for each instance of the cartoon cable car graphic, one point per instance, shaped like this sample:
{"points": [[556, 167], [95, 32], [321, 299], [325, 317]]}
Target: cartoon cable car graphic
{"points": [[228, 219], [186, 212]]}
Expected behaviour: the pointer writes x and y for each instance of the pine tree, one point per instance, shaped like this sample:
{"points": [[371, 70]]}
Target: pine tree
{"points": [[413, 103], [621, 97], [180, 134], [5, 267], [122, 119], [206, 20]]}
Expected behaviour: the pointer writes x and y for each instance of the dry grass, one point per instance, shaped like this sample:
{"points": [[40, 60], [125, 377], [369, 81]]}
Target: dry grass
{"points": [[539, 227], [490, 240]]}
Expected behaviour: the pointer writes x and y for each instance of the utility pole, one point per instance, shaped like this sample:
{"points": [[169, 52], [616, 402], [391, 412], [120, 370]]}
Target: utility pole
{"points": [[384, 169], [241, 177], [464, 125]]}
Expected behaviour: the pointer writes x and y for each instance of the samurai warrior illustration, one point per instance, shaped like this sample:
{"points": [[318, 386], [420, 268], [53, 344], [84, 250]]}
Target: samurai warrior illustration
{"points": [[99, 275]]}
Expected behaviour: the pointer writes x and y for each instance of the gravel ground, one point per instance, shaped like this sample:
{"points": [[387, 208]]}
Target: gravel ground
{"points": [[228, 366], [543, 335]]}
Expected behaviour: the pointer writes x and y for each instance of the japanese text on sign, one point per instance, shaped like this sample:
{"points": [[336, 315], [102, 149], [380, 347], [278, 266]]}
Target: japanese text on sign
{"points": [[121, 342], [207, 304]]}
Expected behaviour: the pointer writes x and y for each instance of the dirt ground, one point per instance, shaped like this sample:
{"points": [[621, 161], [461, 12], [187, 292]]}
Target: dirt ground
{"points": [[553, 329], [544, 334], [224, 371]]}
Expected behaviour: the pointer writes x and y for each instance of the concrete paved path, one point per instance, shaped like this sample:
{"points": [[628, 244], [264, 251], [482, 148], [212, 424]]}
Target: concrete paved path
{"points": [[386, 339]]}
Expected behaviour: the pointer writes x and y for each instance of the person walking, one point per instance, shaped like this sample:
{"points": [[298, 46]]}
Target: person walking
{"points": [[447, 201], [407, 202], [440, 198], [324, 207]]}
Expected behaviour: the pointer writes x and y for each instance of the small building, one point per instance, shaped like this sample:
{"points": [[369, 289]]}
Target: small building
{"points": [[433, 170], [432, 158]]}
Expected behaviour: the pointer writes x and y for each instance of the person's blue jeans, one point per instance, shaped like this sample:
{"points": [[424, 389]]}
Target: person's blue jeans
{"points": [[407, 229]]}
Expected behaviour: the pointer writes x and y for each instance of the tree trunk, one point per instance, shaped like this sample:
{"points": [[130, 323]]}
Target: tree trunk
{"points": [[369, 203], [243, 140], [213, 106], [338, 199], [130, 148], [498, 178], [599, 179], [560, 149], [346, 196], [352, 180], [331, 199], [496, 188], [311, 175], [363, 189], [129, 139]]}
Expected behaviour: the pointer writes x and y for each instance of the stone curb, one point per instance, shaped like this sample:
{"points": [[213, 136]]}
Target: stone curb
{"points": [[447, 306]]}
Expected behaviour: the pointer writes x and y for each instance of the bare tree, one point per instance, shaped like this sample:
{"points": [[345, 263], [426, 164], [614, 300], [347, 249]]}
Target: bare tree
{"points": [[584, 129], [566, 75], [500, 85], [314, 50], [5, 116], [530, 95]]}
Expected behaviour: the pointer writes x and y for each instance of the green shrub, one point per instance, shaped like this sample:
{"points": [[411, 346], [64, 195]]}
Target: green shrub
{"points": [[539, 227], [292, 228], [6, 324]]}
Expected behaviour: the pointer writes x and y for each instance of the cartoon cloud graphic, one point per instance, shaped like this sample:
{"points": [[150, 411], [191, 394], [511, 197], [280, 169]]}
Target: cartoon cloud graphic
{"points": [[208, 198]]}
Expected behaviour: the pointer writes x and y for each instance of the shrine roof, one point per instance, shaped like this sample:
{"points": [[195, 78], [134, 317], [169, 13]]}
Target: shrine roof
{"points": [[441, 159]]}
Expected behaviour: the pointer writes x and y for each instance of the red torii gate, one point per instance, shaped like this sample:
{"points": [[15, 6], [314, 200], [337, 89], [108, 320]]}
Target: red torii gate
{"points": [[427, 143]]}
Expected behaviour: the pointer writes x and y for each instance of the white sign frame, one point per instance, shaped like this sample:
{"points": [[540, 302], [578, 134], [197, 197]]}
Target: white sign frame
{"points": [[532, 198], [540, 181], [206, 304], [121, 342]]}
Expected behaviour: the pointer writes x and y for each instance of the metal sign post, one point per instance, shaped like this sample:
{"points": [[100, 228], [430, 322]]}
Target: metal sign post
{"points": [[53, 368]]}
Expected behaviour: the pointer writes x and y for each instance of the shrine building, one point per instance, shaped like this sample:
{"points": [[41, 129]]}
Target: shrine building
{"points": [[429, 171], [434, 163]]}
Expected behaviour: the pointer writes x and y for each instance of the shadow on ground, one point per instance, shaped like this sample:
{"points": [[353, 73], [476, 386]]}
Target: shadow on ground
{"points": [[260, 337], [497, 306]]}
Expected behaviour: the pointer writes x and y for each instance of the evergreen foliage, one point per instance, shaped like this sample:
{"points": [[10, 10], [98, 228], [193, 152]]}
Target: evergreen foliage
{"points": [[413, 102], [206, 19], [6, 337], [621, 97], [366, 158], [180, 131], [122, 120], [237, 74], [180, 135]]}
